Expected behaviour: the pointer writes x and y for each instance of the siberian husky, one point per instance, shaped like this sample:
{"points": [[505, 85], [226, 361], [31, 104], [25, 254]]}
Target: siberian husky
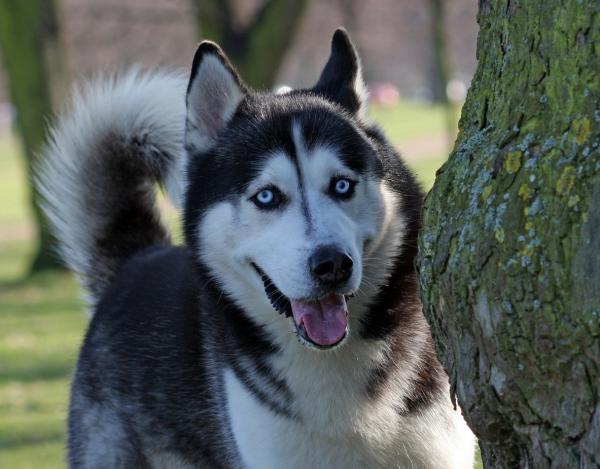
{"points": [[286, 332]]}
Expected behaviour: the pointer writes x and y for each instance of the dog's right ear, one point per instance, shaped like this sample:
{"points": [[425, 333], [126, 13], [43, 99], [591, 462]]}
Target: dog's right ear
{"points": [[214, 92]]}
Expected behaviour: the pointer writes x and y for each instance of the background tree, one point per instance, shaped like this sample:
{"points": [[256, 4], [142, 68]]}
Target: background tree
{"points": [[32, 56], [441, 63], [442, 69], [271, 29], [510, 252]]}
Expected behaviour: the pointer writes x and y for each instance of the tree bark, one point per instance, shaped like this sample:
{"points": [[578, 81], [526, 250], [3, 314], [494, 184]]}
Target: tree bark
{"points": [[32, 57], [258, 48], [509, 252]]}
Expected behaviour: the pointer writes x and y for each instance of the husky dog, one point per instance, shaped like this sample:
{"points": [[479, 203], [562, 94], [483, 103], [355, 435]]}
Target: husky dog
{"points": [[287, 331]]}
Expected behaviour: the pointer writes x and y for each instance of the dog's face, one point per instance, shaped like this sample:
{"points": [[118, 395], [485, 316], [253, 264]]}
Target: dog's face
{"points": [[285, 197]]}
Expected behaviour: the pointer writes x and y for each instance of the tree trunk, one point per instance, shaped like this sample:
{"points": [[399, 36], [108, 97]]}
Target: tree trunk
{"points": [[510, 252], [441, 62], [258, 48], [33, 61]]}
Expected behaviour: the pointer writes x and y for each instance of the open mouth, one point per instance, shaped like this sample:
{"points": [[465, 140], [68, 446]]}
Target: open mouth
{"points": [[321, 323]]}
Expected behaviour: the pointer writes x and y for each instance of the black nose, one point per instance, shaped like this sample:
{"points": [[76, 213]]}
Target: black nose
{"points": [[330, 265]]}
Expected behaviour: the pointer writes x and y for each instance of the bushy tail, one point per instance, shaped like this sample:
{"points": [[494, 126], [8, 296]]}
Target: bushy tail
{"points": [[99, 171]]}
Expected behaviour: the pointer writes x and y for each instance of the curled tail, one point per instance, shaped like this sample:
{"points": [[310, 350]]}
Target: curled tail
{"points": [[99, 171]]}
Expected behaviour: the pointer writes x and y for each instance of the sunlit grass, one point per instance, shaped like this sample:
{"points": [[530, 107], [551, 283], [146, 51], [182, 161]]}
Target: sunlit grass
{"points": [[42, 321], [412, 120], [41, 326]]}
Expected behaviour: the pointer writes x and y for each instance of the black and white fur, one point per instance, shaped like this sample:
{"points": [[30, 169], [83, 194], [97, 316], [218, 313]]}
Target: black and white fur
{"points": [[186, 362]]}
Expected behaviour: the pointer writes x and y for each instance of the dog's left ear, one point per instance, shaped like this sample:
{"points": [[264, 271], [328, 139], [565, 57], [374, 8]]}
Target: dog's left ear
{"points": [[341, 80], [214, 92]]}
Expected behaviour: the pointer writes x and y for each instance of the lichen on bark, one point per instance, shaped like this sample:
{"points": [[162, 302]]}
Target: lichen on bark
{"points": [[509, 253]]}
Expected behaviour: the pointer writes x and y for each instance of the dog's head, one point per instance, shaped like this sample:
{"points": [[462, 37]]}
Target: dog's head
{"points": [[286, 202]]}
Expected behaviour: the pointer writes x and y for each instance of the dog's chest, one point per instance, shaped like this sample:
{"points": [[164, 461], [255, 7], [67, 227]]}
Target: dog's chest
{"points": [[266, 440]]}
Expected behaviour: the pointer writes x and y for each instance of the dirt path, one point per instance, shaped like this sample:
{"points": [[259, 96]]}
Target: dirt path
{"points": [[428, 146], [16, 231]]}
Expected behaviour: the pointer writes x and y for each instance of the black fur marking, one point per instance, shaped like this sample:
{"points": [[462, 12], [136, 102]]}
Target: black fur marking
{"points": [[396, 302], [428, 383], [247, 380], [425, 386], [303, 199], [278, 300], [145, 347], [261, 126], [344, 136], [396, 310], [238, 336], [264, 370], [149, 347], [121, 183]]}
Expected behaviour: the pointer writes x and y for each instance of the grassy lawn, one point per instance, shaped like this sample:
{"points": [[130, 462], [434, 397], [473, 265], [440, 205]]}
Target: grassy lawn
{"points": [[42, 321], [412, 120], [41, 326]]}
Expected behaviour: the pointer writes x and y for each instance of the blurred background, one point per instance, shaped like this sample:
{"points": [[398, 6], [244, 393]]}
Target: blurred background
{"points": [[418, 58]]}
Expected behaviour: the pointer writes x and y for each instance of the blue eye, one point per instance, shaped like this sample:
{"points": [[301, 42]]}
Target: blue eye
{"points": [[342, 187], [268, 198], [265, 197]]}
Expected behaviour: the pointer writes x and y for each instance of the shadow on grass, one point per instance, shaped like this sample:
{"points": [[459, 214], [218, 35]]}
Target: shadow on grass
{"points": [[41, 371], [36, 308], [46, 278], [18, 441], [41, 295], [14, 284]]}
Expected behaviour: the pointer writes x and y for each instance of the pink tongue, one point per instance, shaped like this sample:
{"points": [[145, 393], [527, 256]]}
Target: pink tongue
{"points": [[325, 320]]}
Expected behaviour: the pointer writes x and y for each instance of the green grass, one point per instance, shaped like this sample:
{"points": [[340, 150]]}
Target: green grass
{"points": [[42, 321], [41, 325], [413, 120]]}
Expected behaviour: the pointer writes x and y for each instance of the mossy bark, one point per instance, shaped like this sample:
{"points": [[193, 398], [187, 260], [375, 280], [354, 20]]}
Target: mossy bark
{"points": [[258, 48], [509, 252], [33, 60]]}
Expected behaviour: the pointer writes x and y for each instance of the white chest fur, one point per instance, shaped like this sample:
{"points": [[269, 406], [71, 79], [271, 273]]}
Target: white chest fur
{"points": [[267, 441]]}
